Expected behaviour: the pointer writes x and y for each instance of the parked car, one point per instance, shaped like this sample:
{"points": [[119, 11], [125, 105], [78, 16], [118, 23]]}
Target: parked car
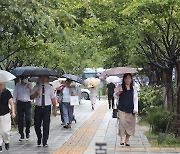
{"points": [[85, 94]]}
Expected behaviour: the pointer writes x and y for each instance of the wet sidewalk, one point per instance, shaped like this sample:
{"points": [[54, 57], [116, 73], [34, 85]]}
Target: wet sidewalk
{"points": [[92, 127], [108, 133]]}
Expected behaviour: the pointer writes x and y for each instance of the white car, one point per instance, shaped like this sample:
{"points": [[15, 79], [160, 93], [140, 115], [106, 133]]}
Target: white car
{"points": [[85, 94]]}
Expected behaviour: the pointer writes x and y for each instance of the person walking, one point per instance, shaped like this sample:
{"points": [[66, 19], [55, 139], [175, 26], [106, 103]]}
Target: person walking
{"points": [[21, 95], [66, 106], [110, 92], [5, 117], [93, 94], [60, 97], [44, 96], [127, 108]]}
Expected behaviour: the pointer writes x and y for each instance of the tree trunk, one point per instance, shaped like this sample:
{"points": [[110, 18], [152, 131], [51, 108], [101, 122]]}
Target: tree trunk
{"points": [[168, 89], [178, 97]]}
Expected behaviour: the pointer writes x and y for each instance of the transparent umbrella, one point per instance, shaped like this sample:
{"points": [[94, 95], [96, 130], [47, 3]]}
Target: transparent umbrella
{"points": [[113, 79], [6, 76]]}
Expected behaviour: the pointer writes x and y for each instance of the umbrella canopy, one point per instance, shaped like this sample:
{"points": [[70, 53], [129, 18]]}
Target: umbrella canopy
{"points": [[36, 79], [73, 78], [92, 82], [113, 79], [6, 76], [119, 71], [34, 71]]}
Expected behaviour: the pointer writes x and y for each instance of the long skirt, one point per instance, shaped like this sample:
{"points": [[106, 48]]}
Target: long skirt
{"points": [[93, 99], [127, 123], [5, 127]]}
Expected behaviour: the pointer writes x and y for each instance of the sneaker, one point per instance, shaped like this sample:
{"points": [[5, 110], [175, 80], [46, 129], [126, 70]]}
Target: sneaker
{"points": [[39, 142], [45, 145], [0, 148], [69, 126], [7, 146], [65, 126], [27, 136], [21, 138]]}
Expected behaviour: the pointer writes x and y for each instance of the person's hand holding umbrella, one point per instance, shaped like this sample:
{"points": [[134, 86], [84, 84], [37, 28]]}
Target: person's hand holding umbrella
{"points": [[120, 91], [36, 94]]}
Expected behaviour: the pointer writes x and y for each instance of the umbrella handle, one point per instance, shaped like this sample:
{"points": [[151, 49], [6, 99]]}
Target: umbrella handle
{"points": [[14, 123]]}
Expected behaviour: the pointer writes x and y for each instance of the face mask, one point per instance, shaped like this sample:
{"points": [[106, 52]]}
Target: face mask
{"points": [[25, 80]]}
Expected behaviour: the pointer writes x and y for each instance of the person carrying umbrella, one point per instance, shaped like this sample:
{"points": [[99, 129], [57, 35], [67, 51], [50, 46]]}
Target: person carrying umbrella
{"points": [[93, 95], [67, 92], [44, 96], [5, 101], [110, 92], [92, 83], [21, 95], [127, 108]]}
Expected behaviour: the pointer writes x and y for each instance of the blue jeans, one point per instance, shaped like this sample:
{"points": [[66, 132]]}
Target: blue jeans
{"points": [[67, 113]]}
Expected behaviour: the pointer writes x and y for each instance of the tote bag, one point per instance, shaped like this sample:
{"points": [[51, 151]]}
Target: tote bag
{"points": [[74, 100]]}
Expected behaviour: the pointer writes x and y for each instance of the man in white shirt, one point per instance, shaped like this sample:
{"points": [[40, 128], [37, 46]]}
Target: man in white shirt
{"points": [[21, 95], [44, 96]]}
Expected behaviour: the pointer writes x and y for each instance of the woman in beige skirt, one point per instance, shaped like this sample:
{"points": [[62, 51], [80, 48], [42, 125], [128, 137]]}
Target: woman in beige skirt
{"points": [[127, 108]]}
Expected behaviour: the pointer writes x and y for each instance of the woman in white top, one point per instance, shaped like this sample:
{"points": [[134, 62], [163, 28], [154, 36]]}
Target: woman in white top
{"points": [[93, 94], [66, 106]]}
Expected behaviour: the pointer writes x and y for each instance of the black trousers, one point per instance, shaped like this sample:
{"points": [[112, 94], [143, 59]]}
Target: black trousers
{"points": [[111, 100], [61, 112], [42, 118], [24, 111]]}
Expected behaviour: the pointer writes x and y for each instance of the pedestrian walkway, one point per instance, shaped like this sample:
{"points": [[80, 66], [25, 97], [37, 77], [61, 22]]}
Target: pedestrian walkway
{"points": [[92, 127], [58, 135], [108, 133]]}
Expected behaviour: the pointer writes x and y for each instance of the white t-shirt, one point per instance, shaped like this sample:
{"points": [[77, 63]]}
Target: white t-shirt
{"points": [[66, 95]]}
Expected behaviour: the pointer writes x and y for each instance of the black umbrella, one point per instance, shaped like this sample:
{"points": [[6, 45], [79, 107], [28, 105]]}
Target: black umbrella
{"points": [[34, 71], [73, 78], [36, 79]]}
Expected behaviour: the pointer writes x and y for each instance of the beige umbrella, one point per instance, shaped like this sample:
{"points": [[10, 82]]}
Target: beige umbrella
{"points": [[117, 71], [92, 82]]}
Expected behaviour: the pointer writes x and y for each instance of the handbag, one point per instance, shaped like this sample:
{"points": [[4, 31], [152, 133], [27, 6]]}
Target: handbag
{"points": [[115, 111], [60, 97], [74, 100]]}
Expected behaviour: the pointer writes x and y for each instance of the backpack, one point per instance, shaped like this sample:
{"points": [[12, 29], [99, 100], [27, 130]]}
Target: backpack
{"points": [[60, 98]]}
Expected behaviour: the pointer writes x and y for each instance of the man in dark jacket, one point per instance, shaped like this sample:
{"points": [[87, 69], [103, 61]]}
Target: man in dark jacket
{"points": [[110, 93]]}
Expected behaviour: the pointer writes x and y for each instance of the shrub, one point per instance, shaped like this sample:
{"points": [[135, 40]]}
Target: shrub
{"points": [[167, 139], [158, 119], [149, 97]]}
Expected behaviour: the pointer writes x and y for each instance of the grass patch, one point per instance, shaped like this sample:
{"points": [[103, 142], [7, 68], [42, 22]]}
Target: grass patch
{"points": [[143, 123], [152, 138], [166, 140]]}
